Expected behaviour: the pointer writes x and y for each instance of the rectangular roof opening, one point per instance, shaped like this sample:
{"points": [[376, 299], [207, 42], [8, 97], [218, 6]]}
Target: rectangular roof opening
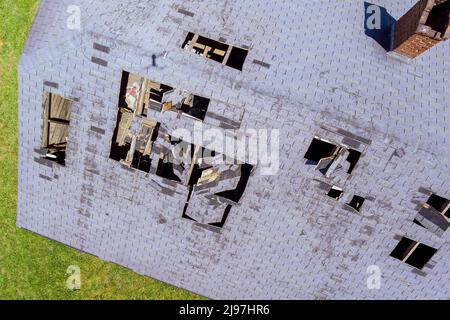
{"points": [[435, 214], [55, 135], [237, 58], [356, 202], [331, 158], [221, 52], [413, 253], [319, 149], [335, 192]]}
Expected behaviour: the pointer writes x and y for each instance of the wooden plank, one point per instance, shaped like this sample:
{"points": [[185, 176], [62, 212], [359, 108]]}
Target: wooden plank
{"points": [[124, 127], [45, 133], [227, 55], [324, 162], [141, 97], [61, 108], [411, 251], [130, 155], [58, 134]]}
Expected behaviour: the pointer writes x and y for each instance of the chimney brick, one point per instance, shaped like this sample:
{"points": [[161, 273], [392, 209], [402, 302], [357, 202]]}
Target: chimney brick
{"points": [[422, 27]]}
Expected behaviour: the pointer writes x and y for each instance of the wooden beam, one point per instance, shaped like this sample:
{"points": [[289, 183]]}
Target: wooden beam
{"points": [[411, 251], [140, 102]]}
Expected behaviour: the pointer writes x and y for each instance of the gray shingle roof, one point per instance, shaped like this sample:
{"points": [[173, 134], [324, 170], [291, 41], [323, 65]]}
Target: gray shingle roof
{"points": [[318, 74]]}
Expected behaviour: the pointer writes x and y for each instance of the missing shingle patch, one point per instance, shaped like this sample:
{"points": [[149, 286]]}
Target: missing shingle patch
{"points": [[99, 61], [261, 63], [186, 12], [98, 130], [335, 193], [51, 84], [101, 47]]}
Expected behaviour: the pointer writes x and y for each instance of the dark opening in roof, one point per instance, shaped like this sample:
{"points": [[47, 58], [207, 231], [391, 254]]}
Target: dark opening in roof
{"points": [[223, 53], [318, 150], [224, 217], [439, 17], [413, 253], [335, 193], [438, 203], [353, 158], [236, 194], [189, 37], [420, 257], [123, 90], [212, 43], [197, 174], [237, 58], [356, 203], [165, 170], [196, 107], [418, 223], [141, 162], [403, 248]]}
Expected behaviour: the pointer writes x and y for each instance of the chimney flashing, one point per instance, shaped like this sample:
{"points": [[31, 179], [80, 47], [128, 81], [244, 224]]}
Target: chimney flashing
{"points": [[428, 32]]}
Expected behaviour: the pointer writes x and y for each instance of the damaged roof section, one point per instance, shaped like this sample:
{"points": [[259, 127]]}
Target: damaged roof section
{"points": [[139, 95], [330, 158], [434, 215], [231, 56], [55, 134], [215, 185], [135, 138], [414, 253]]}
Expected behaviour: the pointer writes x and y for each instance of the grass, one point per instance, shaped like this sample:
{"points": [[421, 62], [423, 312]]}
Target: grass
{"points": [[32, 267]]}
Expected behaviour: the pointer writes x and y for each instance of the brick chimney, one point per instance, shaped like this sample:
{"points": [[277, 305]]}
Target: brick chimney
{"points": [[422, 27]]}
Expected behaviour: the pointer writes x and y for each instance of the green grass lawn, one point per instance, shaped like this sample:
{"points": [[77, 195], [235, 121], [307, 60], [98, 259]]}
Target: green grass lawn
{"points": [[32, 267]]}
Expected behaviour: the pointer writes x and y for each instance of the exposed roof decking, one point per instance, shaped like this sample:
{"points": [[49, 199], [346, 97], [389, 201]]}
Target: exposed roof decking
{"points": [[324, 74]]}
